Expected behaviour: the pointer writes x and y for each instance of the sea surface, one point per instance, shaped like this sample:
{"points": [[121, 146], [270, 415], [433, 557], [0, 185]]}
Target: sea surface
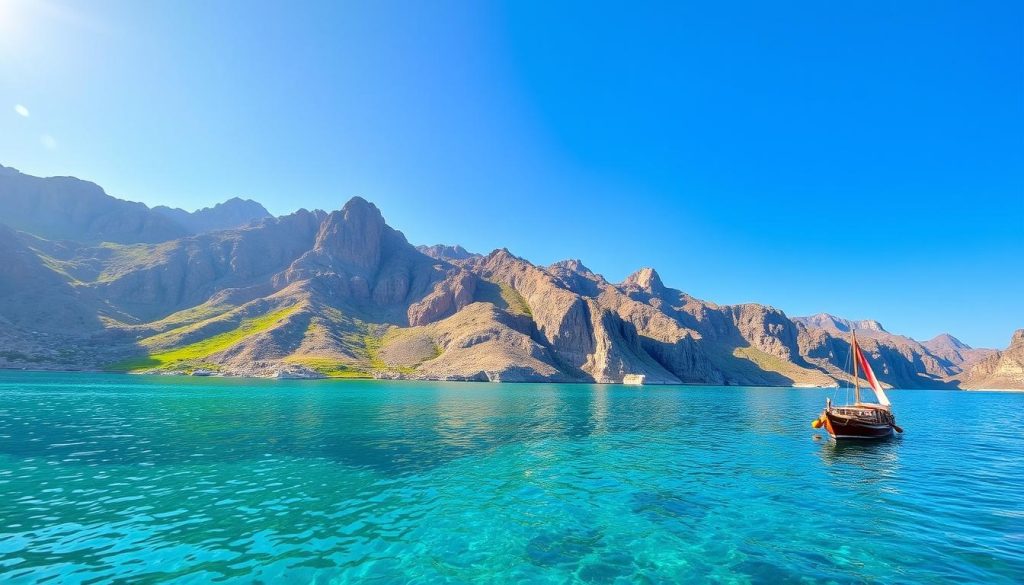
{"points": [[198, 480]]}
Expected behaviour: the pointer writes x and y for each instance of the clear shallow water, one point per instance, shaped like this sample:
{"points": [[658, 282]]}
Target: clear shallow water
{"points": [[200, 480]]}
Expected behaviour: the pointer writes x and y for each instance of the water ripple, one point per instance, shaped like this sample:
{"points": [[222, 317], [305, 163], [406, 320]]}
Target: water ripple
{"points": [[115, 478]]}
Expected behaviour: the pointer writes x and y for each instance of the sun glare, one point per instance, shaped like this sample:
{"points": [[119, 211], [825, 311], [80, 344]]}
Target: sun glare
{"points": [[12, 22], [24, 22]]}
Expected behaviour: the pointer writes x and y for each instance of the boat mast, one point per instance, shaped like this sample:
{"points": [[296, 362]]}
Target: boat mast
{"points": [[856, 380]]}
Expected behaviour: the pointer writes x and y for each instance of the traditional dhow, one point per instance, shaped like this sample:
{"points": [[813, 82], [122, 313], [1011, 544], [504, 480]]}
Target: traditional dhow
{"points": [[860, 420]]}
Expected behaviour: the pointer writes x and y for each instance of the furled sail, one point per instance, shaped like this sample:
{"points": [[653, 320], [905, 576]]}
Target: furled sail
{"points": [[869, 375]]}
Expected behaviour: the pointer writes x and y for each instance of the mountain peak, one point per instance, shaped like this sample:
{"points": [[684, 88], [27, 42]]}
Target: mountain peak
{"points": [[945, 339], [239, 203], [502, 254], [353, 234], [831, 322], [446, 252], [358, 204], [647, 279], [871, 325], [573, 265]]}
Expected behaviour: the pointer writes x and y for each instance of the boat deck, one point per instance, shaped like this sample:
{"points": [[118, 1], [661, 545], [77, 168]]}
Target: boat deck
{"points": [[863, 413]]}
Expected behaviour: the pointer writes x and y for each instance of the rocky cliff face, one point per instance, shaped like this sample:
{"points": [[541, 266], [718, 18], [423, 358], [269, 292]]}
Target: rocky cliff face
{"points": [[366, 264], [344, 294], [1003, 370], [156, 280]]}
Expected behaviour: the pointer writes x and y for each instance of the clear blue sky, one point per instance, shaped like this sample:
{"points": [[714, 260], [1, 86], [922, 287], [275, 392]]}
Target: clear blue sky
{"points": [[860, 158]]}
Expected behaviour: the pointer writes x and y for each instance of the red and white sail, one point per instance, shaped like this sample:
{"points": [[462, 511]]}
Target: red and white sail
{"points": [[869, 375]]}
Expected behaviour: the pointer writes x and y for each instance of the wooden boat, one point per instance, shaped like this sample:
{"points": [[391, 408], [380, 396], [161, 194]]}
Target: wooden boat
{"points": [[860, 420]]}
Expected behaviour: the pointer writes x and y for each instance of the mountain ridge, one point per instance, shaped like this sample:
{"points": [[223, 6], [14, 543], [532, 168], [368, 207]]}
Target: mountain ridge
{"points": [[234, 212], [343, 294], [68, 208]]}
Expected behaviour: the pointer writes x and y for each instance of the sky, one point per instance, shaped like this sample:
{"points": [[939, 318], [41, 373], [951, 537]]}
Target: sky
{"points": [[864, 159]]}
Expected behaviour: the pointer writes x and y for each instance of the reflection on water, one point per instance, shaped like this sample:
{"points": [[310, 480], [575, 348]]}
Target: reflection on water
{"points": [[599, 410], [117, 477], [866, 453], [866, 464]]}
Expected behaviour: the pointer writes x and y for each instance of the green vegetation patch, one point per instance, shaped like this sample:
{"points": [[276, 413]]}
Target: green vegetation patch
{"points": [[58, 266], [515, 301], [771, 363], [194, 319], [314, 327], [435, 352], [373, 344], [195, 315], [329, 367], [125, 258], [763, 360], [189, 354]]}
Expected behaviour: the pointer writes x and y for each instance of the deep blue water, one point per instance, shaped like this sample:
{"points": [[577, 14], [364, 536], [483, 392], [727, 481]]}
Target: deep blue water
{"points": [[145, 479]]}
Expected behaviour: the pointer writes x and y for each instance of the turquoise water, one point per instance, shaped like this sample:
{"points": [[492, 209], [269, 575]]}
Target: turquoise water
{"points": [[206, 480]]}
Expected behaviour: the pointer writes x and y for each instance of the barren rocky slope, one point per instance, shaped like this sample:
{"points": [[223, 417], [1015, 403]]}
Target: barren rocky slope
{"points": [[342, 294], [1001, 370]]}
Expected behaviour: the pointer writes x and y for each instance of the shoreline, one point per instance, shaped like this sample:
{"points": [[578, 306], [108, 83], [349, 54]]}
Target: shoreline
{"points": [[411, 379]]}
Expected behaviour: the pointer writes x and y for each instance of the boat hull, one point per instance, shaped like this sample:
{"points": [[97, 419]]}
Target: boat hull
{"points": [[844, 427]]}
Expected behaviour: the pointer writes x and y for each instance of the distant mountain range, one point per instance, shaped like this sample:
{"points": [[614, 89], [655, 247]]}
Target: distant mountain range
{"points": [[66, 208], [93, 282], [232, 213]]}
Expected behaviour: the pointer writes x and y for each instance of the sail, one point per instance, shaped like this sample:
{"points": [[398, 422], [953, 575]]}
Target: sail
{"points": [[869, 375]]}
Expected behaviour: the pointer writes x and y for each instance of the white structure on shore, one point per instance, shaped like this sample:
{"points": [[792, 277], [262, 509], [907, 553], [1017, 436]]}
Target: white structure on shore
{"points": [[633, 379]]}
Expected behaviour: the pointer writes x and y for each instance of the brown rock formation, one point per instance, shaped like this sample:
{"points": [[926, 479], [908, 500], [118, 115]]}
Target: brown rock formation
{"points": [[1003, 370]]}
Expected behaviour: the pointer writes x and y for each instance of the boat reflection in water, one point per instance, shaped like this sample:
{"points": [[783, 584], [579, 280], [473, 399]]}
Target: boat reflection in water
{"points": [[863, 469], [866, 454]]}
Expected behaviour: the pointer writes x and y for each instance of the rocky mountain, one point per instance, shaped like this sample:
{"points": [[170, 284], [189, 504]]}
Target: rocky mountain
{"points": [[1001, 370], [343, 294], [232, 213], [839, 325], [66, 208], [446, 252], [954, 351]]}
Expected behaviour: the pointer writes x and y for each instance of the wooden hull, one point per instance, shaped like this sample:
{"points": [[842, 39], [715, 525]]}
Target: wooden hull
{"points": [[846, 423]]}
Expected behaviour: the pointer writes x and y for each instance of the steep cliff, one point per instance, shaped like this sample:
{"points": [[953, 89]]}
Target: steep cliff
{"points": [[1004, 370]]}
